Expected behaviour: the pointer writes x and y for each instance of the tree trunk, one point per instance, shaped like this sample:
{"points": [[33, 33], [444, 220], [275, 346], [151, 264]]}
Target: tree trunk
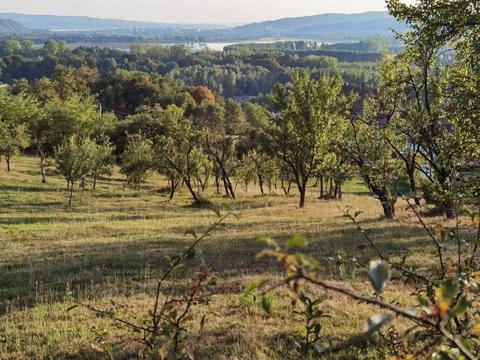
{"points": [[217, 183], [230, 187], [94, 186], [449, 207], [42, 170], [42, 157], [173, 188], [413, 185], [7, 158], [302, 191], [322, 195], [260, 183], [388, 209], [195, 196], [71, 194]]}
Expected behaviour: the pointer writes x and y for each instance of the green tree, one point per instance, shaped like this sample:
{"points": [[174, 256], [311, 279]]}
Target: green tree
{"points": [[76, 115], [102, 159], [13, 139], [73, 158], [137, 159], [299, 134], [179, 151], [444, 89], [235, 121], [17, 112], [369, 149]]}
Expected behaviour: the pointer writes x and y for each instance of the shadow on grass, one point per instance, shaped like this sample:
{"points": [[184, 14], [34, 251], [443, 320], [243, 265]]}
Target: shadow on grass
{"points": [[26, 188], [101, 269]]}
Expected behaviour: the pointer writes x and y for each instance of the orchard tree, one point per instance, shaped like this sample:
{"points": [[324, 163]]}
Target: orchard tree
{"points": [[369, 149], [17, 112], [235, 121], [179, 150], [73, 159], [102, 159], [61, 119], [300, 132], [76, 115], [137, 159], [445, 93], [13, 139], [209, 119]]}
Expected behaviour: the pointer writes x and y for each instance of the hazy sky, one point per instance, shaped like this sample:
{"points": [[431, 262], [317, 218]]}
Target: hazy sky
{"points": [[190, 11]]}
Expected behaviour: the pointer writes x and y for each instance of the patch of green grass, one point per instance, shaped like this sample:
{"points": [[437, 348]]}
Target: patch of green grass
{"points": [[112, 245]]}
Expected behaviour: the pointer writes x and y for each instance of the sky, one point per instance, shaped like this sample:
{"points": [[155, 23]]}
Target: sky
{"points": [[191, 11]]}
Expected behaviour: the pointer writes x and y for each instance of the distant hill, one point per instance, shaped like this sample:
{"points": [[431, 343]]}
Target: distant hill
{"points": [[326, 26], [10, 26], [84, 23]]}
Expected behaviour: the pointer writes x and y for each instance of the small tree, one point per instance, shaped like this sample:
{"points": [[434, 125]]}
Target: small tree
{"points": [[16, 113], [137, 160], [13, 139], [74, 161], [102, 159], [370, 151]]}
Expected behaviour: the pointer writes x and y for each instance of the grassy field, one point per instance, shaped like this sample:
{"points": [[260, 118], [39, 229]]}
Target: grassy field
{"points": [[112, 245]]}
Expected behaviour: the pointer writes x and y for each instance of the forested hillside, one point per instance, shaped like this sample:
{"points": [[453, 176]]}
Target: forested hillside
{"points": [[9, 26], [238, 72], [327, 26]]}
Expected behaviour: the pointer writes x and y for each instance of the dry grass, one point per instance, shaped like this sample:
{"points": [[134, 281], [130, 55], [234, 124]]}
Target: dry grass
{"points": [[112, 245]]}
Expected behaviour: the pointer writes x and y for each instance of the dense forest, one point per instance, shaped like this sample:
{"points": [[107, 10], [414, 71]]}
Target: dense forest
{"points": [[287, 119], [240, 71]]}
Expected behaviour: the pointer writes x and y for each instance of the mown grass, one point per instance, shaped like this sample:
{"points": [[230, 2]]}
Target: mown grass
{"points": [[112, 245]]}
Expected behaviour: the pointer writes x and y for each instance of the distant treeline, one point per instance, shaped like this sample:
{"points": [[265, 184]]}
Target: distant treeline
{"points": [[240, 71]]}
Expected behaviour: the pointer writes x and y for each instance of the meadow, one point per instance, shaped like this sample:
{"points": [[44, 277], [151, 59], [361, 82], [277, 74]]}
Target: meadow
{"points": [[112, 245]]}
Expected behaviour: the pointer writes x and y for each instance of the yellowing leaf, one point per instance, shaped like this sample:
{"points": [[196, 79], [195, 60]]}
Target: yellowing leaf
{"points": [[443, 307]]}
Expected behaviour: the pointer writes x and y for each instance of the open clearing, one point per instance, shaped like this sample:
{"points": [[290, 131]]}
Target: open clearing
{"points": [[113, 244]]}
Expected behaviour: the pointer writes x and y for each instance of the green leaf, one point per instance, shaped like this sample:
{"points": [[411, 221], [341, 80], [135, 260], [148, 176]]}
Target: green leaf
{"points": [[379, 274], [449, 290], [376, 322], [269, 242], [460, 307], [253, 286], [296, 241], [423, 301], [268, 304]]}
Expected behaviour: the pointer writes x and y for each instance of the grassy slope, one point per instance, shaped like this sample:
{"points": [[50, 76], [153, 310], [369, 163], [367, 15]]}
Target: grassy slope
{"points": [[112, 245]]}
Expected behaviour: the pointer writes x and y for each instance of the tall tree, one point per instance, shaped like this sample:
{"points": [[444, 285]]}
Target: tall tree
{"points": [[369, 149], [137, 159], [299, 133], [73, 158], [445, 89]]}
